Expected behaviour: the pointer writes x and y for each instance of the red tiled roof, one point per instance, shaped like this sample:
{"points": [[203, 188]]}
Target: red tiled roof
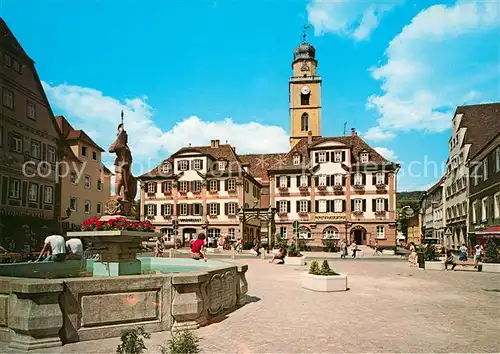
{"points": [[258, 164], [68, 133], [482, 122]]}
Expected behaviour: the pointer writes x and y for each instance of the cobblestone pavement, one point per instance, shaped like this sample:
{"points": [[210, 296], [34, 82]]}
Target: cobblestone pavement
{"points": [[389, 308]]}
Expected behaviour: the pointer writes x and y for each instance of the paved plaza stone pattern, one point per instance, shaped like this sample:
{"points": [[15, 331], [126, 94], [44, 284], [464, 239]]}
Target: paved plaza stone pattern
{"points": [[389, 308]]}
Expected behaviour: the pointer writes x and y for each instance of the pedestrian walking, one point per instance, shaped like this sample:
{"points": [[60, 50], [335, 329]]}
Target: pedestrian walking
{"points": [[377, 252], [342, 249], [354, 248], [477, 254]]}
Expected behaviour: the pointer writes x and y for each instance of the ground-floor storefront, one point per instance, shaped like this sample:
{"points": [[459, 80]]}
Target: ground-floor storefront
{"points": [[363, 233]]}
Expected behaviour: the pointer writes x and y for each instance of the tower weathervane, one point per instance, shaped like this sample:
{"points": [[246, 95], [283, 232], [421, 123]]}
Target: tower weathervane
{"points": [[122, 117], [304, 34]]}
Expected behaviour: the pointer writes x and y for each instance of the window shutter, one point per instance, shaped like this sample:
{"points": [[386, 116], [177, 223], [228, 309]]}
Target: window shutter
{"points": [[288, 206], [277, 181], [297, 206], [225, 184], [308, 181], [343, 205], [156, 186], [316, 179], [343, 180], [374, 178], [327, 156], [288, 181], [352, 205], [316, 157], [352, 179], [277, 206], [363, 176], [309, 206], [218, 185], [364, 204], [226, 208], [343, 156], [218, 209], [386, 177], [297, 180], [386, 205], [163, 187], [329, 206], [155, 209], [43, 156], [177, 209], [374, 204], [40, 196], [316, 205], [178, 165], [200, 206], [163, 209], [190, 209], [192, 164]]}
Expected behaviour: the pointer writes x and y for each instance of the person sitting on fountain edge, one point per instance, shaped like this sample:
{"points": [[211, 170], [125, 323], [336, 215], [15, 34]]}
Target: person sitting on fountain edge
{"points": [[74, 248], [55, 249], [198, 249]]}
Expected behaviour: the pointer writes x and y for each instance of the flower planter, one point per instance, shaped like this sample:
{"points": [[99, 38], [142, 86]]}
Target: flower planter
{"points": [[434, 265], [490, 267], [324, 283], [296, 261]]}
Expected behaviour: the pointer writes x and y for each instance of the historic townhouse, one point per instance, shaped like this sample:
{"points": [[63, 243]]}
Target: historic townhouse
{"points": [[472, 127], [484, 182], [336, 187], [28, 147], [433, 212], [85, 181], [202, 189]]}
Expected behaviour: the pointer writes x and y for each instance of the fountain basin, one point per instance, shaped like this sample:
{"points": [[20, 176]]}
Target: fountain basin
{"points": [[176, 294]]}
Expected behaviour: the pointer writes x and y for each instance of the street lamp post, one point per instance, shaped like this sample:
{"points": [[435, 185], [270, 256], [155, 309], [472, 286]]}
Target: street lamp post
{"points": [[347, 224]]}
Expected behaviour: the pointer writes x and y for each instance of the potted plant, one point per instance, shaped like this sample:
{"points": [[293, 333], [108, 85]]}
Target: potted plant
{"points": [[357, 212], [322, 188], [282, 214], [431, 259], [282, 188], [294, 257], [303, 214], [323, 279], [491, 262], [380, 186], [303, 188], [358, 186]]}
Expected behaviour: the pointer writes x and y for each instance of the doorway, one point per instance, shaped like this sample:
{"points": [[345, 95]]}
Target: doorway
{"points": [[359, 236], [187, 234]]}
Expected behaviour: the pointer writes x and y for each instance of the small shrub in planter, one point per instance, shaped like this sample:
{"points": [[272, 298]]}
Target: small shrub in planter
{"points": [[132, 341], [184, 342], [491, 252], [293, 251], [314, 267], [326, 270]]}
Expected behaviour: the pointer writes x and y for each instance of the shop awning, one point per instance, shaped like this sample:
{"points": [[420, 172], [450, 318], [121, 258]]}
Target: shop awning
{"points": [[492, 230]]}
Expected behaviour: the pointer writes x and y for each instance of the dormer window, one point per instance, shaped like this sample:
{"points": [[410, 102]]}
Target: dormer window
{"points": [[364, 157], [337, 156], [322, 157], [221, 165], [296, 160], [166, 167]]}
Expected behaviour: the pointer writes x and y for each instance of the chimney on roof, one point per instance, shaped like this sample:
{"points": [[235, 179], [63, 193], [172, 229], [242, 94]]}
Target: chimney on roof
{"points": [[214, 144], [309, 137], [353, 132]]}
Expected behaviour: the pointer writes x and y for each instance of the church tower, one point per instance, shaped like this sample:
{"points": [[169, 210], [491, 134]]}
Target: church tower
{"points": [[304, 94]]}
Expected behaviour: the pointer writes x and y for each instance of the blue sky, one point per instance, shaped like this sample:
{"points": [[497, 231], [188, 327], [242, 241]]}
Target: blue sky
{"points": [[190, 71]]}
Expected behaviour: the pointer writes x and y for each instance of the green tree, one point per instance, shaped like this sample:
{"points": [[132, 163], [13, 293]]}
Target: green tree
{"points": [[132, 341], [491, 252], [314, 268]]}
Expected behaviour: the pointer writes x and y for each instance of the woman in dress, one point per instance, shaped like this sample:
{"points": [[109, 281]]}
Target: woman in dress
{"points": [[463, 254]]}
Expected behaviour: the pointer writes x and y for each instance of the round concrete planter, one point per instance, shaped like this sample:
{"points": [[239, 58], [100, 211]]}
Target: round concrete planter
{"points": [[295, 261], [434, 265], [324, 283], [490, 267]]}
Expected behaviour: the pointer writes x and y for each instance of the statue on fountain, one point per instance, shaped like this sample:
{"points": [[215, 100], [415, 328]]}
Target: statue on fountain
{"points": [[125, 183]]}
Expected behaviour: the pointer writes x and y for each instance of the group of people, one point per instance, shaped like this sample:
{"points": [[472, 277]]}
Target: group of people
{"points": [[344, 249], [57, 249], [450, 258]]}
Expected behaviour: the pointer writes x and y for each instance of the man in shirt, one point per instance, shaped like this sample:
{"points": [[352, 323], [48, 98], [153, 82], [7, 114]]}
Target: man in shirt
{"points": [[55, 249], [198, 249], [477, 256], [74, 247]]}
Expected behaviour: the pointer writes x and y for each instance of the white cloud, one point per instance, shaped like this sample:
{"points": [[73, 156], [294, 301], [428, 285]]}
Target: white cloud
{"points": [[387, 153], [446, 56], [377, 134], [356, 19], [99, 115]]}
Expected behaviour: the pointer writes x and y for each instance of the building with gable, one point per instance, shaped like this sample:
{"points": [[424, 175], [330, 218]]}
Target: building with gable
{"points": [[336, 187], [29, 148]]}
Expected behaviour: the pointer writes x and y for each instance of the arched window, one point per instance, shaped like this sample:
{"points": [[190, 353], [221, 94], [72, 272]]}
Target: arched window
{"points": [[304, 122], [304, 99], [305, 233], [331, 232]]}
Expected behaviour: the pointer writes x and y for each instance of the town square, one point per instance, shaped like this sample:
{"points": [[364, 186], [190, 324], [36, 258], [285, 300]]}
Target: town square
{"points": [[181, 202]]}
